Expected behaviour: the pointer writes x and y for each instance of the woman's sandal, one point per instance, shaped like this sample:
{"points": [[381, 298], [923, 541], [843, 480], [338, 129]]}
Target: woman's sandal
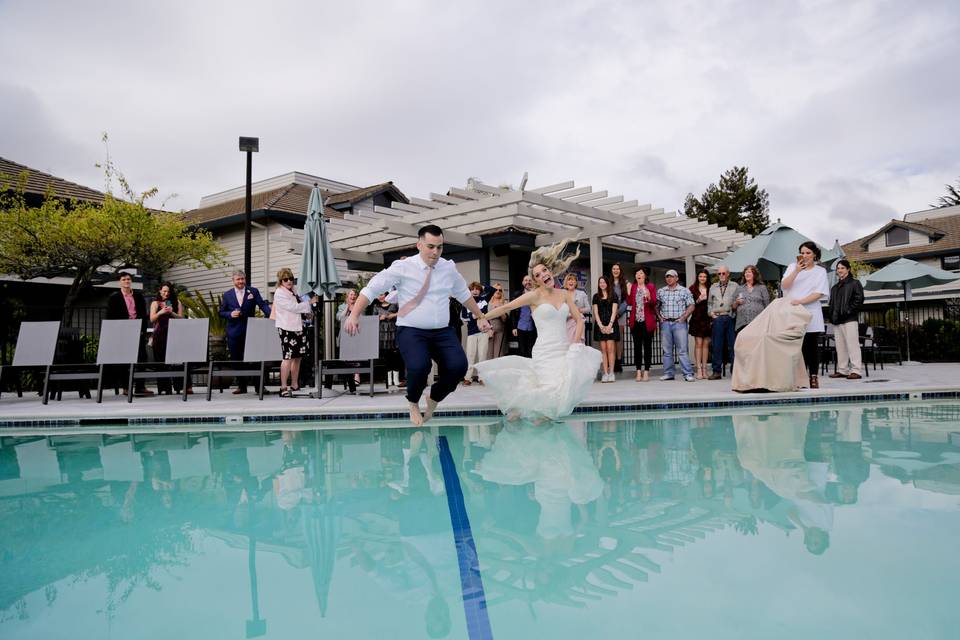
{"points": [[286, 393]]}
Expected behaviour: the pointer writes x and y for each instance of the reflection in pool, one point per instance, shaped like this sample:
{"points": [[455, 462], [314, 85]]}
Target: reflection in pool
{"points": [[839, 523]]}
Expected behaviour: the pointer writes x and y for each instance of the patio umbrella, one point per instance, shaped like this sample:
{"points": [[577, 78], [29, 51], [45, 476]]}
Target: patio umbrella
{"points": [[772, 250], [830, 257], [318, 269], [907, 274]]}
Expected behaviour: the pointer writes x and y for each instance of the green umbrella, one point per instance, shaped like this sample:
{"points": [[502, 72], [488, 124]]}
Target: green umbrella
{"points": [[318, 269], [772, 250], [907, 274]]}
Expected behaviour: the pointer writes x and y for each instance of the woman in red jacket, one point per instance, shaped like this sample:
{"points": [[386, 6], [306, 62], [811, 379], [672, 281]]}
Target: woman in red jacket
{"points": [[643, 321]]}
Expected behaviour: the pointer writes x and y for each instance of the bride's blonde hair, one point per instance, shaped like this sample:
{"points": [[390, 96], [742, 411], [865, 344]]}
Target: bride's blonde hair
{"points": [[552, 258]]}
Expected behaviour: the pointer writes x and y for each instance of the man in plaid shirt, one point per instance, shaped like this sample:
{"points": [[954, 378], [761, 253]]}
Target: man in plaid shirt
{"points": [[674, 306]]}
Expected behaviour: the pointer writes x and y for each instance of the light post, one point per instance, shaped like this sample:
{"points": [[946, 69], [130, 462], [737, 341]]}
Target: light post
{"points": [[250, 146]]}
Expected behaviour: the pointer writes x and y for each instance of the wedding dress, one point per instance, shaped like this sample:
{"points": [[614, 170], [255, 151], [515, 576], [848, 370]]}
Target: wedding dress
{"points": [[554, 460], [552, 382]]}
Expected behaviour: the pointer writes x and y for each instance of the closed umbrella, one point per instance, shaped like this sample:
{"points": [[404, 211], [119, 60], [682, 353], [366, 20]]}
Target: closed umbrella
{"points": [[318, 269], [907, 274]]}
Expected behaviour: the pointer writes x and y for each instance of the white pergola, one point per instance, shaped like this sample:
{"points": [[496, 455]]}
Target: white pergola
{"points": [[552, 213]]}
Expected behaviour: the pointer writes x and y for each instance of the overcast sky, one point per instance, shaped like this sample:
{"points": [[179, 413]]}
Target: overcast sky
{"points": [[846, 112]]}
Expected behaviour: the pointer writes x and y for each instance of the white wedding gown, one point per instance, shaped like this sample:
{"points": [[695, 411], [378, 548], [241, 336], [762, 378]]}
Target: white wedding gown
{"points": [[553, 381]]}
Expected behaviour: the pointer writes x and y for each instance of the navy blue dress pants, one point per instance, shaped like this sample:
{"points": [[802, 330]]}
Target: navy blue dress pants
{"points": [[419, 348]]}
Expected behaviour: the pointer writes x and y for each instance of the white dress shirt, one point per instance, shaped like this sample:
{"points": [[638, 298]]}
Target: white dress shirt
{"points": [[407, 276]]}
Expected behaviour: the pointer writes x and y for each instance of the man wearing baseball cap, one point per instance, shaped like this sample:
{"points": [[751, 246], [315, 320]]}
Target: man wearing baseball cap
{"points": [[674, 306]]}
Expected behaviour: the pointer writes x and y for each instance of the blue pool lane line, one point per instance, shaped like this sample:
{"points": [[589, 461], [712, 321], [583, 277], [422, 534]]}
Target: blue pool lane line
{"points": [[474, 599]]}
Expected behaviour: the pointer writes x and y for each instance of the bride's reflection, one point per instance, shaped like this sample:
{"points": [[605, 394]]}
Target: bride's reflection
{"points": [[786, 453], [558, 465]]}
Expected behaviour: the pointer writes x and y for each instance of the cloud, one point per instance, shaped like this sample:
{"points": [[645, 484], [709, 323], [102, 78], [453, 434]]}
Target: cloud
{"points": [[837, 108]]}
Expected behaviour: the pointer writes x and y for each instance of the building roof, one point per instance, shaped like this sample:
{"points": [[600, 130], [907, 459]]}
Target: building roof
{"points": [[291, 198], [944, 232], [358, 195], [40, 183]]}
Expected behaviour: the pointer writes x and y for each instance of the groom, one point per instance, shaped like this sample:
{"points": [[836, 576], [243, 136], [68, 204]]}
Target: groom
{"points": [[424, 283]]}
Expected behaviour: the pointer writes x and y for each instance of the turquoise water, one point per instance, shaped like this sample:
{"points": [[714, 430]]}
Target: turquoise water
{"points": [[790, 524]]}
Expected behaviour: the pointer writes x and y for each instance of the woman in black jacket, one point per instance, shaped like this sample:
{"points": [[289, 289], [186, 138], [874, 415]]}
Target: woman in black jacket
{"points": [[846, 298]]}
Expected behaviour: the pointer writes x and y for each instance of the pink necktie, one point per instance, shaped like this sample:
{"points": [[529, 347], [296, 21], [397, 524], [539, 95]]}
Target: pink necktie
{"points": [[417, 299]]}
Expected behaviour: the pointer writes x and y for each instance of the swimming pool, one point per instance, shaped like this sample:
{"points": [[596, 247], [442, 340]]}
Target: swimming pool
{"points": [[832, 523]]}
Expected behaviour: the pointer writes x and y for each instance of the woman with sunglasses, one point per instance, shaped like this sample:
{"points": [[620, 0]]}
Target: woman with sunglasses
{"points": [[287, 309]]}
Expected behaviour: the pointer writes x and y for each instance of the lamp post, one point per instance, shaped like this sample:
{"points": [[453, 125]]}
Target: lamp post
{"points": [[250, 146]]}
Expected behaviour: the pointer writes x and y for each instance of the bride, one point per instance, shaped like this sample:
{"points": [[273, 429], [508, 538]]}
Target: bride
{"points": [[551, 383]]}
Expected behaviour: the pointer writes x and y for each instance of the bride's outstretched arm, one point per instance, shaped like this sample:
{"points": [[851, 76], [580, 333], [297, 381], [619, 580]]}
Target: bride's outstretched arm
{"points": [[577, 316], [530, 297]]}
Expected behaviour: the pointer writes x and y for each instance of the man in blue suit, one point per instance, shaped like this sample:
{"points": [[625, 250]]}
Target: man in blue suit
{"points": [[238, 304]]}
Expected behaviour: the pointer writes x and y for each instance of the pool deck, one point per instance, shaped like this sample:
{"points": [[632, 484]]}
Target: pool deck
{"points": [[894, 383]]}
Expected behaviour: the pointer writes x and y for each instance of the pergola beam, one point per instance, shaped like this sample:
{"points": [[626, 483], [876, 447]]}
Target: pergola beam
{"points": [[691, 250], [553, 188]]}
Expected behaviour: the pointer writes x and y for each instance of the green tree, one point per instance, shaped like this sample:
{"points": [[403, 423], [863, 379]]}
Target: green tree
{"points": [[93, 242], [736, 203], [952, 198]]}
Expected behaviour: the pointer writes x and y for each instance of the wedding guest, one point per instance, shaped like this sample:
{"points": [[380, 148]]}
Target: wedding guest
{"points": [[618, 284], [752, 297], [582, 302], [606, 331], [643, 322], [720, 305], [674, 306], [498, 326], [287, 311], [165, 306], [846, 298], [700, 326]]}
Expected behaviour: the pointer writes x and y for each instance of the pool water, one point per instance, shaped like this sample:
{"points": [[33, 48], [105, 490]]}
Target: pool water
{"points": [[839, 523]]}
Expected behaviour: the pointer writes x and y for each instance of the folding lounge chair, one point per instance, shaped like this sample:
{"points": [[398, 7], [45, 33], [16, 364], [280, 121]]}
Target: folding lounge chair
{"points": [[36, 347], [262, 345], [187, 344], [119, 344], [358, 354]]}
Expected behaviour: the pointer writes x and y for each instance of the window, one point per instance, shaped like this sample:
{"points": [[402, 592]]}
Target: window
{"points": [[897, 236], [950, 263]]}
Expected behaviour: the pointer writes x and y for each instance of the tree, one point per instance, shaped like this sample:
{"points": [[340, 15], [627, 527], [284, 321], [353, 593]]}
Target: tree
{"points": [[952, 198], [736, 203], [93, 242]]}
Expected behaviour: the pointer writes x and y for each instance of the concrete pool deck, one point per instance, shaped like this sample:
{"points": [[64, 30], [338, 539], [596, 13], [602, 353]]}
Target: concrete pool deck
{"points": [[894, 382]]}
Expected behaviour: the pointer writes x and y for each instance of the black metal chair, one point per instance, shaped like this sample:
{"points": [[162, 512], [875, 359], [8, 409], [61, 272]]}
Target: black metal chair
{"points": [[878, 342]]}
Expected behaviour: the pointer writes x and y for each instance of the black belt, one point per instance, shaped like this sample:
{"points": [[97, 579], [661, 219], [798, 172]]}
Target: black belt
{"points": [[671, 319]]}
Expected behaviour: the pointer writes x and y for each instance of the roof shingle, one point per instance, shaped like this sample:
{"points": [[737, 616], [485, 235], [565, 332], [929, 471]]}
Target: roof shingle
{"points": [[38, 183], [292, 198]]}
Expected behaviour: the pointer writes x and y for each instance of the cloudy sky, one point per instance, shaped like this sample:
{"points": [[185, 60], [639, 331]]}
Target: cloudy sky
{"points": [[846, 112]]}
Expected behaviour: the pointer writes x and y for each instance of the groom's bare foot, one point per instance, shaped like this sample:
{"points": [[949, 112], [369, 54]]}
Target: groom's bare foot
{"points": [[415, 416], [431, 406]]}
